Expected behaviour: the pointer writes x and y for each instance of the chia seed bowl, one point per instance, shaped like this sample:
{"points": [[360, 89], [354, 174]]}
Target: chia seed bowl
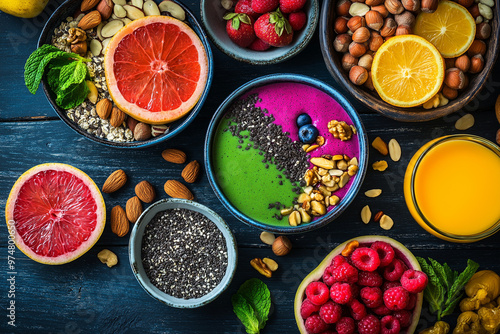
{"points": [[266, 172], [84, 119], [182, 253]]}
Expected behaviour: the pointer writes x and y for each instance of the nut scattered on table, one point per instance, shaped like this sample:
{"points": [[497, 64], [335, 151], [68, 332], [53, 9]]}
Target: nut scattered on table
{"points": [[270, 263], [380, 146], [366, 214], [145, 191], [386, 222], [133, 209], [373, 193], [191, 171], [176, 189], [465, 122], [119, 222], [380, 165], [115, 181], [261, 267], [174, 155], [394, 150], [108, 257], [267, 238], [282, 246]]}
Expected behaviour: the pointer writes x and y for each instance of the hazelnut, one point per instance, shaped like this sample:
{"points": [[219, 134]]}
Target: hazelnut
{"points": [[476, 64], [142, 131], [355, 23], [382, 10], [477, 47], [466, 3], [282, 246], [358, 9], [405, 19], [374, 2], [79, 48], [340, 26], [411, 5], [474, 11], [483, 30], [449, 62], [357, 49], [429, 6], [389, 27], [394, 6], [374, 20], [358, 75], [375, 41], [463, 63], [454, 78], [366, 61], [341, 43], [369, 82], [449, 93], [343, 7], [348, 61], [403, 30], [361, 35]]}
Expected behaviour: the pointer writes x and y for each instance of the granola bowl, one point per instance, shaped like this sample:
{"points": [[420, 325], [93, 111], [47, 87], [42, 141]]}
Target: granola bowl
{"points": [[286, 153], [84, 119]]}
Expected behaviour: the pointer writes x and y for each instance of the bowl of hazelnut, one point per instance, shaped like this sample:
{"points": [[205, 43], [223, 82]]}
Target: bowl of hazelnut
{"points": [[352, 32]]}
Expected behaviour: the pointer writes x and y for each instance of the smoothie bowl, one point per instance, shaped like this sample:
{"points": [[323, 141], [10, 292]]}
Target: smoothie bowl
{"points": [[286, 153]]}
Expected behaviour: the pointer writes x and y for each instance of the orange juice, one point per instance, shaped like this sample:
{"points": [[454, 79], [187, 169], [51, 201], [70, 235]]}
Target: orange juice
{"points": [[452, 188]]}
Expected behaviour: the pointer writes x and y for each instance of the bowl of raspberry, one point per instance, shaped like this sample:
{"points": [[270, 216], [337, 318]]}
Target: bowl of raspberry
{"points": [[260, 32], [371, 283]]}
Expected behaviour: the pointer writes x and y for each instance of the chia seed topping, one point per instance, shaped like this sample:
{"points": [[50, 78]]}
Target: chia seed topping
{"points": [[184, 254]]}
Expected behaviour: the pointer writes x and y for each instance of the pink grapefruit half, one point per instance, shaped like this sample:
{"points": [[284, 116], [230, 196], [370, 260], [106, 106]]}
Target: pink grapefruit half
{"points": [[156, 69], [55, 213]]}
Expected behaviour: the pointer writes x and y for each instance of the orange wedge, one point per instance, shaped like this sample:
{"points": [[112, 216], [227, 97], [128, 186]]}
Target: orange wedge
{"points": [[407, 71], [451, 28]]}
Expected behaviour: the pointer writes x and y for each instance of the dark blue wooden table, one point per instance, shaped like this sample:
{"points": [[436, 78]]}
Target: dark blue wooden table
{"points": [[87, 297]]}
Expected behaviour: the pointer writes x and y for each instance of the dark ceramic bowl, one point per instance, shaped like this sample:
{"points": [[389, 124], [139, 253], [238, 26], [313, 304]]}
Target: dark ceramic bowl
{"points": [[287, 78], [68, 8], [333, 61], [212, 17]]}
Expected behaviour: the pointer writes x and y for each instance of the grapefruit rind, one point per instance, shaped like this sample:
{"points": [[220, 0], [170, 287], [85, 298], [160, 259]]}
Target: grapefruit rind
{"points": [[86, 245], [141, 114], [317, 274]]}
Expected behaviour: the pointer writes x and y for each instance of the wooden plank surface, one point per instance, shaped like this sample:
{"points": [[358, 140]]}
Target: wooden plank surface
{"points": [[87, 297]]}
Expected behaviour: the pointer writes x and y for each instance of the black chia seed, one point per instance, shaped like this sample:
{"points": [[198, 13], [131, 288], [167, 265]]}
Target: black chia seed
{"points": [[184, 254]]}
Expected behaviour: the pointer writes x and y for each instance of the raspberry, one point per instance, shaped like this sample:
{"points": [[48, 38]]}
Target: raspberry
{"points": [[345, 273], [327, 275], [358, 310], [297, 20], [385, 252], [381, 310], [345, 325], [365, 258], [329, 332], [411, 302], [372, 297], [390, 325], [317, 293], [394, 270], [396, 298], [404, 318], [387, 285], [307, 308], [338, 260], [330, 312], [366, 278], [414, 281], [369, 325], [314, 324], [341, 293]]}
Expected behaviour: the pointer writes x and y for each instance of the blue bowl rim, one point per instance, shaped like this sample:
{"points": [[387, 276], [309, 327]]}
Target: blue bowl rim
{"points": [[230, 244], [303, 79], [186, 120], [296, 49]]}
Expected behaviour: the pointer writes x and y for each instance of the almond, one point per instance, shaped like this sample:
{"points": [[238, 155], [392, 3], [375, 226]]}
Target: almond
{"points": [[133, 209], [103, 108], [145, 191], [115, 181], [89, 21], [88, 4], [191, 171], [174, 155], [105, 7], [117, 117], [176, 189], [119, 222]]}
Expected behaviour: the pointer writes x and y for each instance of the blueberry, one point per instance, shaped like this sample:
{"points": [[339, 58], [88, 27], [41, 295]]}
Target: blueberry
{"points": [[303, 119], [308, 134]]}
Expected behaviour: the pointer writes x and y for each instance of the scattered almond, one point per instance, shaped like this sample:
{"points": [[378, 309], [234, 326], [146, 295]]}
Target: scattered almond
{"points": [[119, 222], [394, 150], [176, 189], [267, 238], [117, 117], [270, 263], [133, 209], [366, 214], [103, 108], [380, 165], [145, 191], [377, 217], [174, 155], [380, 146], [386, 222], [191, 171], [115, 181], [89, 21], [373, 192], [465, 122]]}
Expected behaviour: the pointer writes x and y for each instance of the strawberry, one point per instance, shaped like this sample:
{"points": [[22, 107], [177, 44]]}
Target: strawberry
{"points": [[274, 29], [264, 6], [288, 6], [239, 29], [297, 20], [259, 45], [245, 7]]}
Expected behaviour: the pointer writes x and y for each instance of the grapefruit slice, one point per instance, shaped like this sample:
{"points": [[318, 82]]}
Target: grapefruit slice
{"points": [[55, 213], [156, 69]]}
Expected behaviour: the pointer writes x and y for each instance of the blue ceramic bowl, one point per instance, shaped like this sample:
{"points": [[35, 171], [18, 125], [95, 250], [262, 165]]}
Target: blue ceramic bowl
{"points": [[68, 8], [134, 251], [212, 17], [293, 78]]}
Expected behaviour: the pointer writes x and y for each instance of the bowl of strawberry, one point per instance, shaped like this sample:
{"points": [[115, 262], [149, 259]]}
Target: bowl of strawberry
{"points": [[260, 32], [367, 285]]}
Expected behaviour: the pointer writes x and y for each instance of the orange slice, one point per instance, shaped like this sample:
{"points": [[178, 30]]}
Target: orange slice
{"points": [[407, 71], [156, 69], [451, 28]]}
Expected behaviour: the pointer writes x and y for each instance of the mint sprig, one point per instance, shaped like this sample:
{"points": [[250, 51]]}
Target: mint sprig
{"points": [[251, 304]]}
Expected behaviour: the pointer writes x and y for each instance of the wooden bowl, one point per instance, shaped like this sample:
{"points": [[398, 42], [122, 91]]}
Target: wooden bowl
{"points": [[372, 100]]}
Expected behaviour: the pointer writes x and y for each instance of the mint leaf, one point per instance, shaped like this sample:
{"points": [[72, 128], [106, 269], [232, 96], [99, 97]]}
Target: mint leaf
{"points": [[73, 73], [434, 295], [451, 306], [462, 279], [72, 96], [255, 295], [440, 272], [31, 66], [245, 313]]}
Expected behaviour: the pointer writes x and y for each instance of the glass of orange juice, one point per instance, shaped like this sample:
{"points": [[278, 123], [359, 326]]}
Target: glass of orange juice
{"points": [[452, 188]]}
